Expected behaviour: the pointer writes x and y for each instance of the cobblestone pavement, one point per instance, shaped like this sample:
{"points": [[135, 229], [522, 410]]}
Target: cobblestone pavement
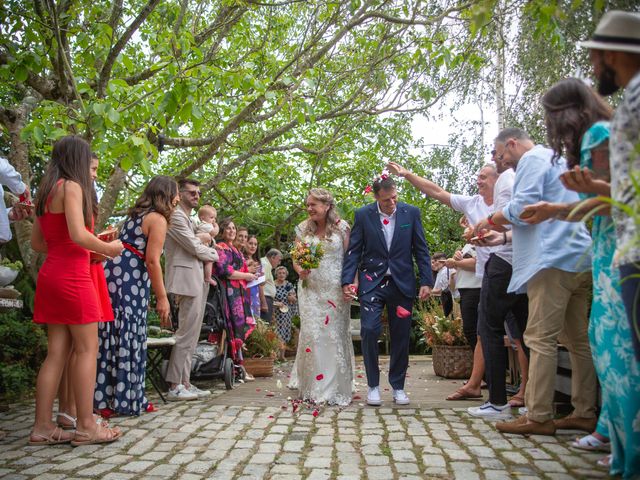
{"points": [[252, 433]]}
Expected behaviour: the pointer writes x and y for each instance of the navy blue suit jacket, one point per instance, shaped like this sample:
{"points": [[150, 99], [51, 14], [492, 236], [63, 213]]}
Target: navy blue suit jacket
{"points": [[368, 253]]}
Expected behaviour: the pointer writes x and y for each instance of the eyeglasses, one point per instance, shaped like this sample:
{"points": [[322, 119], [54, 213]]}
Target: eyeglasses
{"points": [[193, 193], [500, 156]]}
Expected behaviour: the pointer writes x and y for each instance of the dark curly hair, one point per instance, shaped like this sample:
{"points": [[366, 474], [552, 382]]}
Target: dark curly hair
{"points": [[570, 108], [158, 196]]}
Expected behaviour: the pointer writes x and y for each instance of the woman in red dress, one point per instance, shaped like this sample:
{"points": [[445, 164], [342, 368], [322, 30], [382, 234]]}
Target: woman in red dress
{"points": [[66, 298], [67, 412]]}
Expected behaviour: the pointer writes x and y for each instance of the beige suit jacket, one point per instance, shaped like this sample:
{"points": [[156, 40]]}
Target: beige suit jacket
{"points": [[184, 254]]}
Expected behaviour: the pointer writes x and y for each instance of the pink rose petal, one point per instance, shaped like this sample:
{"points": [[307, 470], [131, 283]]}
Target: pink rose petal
{"points": [[368, 277], [402, 312]]}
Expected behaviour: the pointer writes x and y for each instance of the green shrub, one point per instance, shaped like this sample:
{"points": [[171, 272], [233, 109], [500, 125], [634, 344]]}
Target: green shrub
{"points": [[24, 347]]}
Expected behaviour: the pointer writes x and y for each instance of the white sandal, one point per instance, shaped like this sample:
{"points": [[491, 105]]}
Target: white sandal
{"points": [[605, 461], [65, 426], [591, 443]]}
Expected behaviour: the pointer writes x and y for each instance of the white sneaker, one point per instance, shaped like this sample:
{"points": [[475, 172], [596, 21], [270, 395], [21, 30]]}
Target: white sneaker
{"points": [[373, 397], [199, 393], [400, 397], [180, 393], [491, 411]]}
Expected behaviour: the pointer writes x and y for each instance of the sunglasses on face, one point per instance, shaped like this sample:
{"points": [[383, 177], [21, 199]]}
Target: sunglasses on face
{"points": [[193, 193]]}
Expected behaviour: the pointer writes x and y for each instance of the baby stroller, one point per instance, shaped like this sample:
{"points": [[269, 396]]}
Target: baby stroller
{"points": [[215, 355]]}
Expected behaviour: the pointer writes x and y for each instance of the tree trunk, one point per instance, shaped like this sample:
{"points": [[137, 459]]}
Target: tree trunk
{"points": [[110, 196]]}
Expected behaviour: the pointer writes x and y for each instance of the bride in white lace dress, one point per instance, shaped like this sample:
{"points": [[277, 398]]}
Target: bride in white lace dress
{"points": [[324, 364]]}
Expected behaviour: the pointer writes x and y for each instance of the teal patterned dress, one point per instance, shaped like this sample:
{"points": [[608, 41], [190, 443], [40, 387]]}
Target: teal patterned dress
{"points": [[610, 338]]}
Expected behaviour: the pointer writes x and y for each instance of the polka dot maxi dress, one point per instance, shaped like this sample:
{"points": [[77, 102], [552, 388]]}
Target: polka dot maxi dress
{"points": [[122, 354]]}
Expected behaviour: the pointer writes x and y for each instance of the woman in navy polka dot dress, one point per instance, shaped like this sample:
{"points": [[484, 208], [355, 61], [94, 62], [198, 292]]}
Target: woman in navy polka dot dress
{"points": [[122, 343]]}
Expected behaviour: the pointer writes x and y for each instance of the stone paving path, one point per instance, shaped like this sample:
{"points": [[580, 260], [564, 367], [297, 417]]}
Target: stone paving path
{"points": [[252, 433]]}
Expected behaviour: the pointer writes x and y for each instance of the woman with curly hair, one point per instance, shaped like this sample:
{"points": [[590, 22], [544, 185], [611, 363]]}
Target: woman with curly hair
{"points": [[123, 352], [577, 122]]}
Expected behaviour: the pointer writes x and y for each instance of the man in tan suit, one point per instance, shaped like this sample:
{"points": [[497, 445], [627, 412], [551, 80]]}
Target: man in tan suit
{"points": [[184, 254]]}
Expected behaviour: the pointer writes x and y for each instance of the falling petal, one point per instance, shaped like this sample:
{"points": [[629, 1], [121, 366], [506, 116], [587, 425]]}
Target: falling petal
{"points": [[402, 312], [319, 377], [326, 320], [380, 264], [308, 350], [375, 274], [316, 413], [332, 304]]}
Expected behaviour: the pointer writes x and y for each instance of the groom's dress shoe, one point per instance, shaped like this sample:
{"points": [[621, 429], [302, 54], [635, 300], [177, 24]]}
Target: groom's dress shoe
{"points": [[400, 397], [373, 397]]}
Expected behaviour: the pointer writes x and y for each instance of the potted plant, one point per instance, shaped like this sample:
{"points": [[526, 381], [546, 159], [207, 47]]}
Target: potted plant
{"points": [[9, 271], [452, 356], [261, 349]]}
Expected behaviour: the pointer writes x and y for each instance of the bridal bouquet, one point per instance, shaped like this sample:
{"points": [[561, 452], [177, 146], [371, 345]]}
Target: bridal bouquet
{"points": [[307, 255]]}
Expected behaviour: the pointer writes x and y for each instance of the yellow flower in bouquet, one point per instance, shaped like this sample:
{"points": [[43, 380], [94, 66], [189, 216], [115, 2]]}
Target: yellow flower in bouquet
{"points": [[307, 255]]}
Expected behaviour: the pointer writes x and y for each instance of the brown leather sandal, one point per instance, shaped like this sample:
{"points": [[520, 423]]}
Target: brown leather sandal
{"points": [[462, 394]]}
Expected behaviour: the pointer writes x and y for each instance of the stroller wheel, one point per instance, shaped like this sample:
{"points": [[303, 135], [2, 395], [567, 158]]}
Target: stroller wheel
{"points": [[229, 379]]}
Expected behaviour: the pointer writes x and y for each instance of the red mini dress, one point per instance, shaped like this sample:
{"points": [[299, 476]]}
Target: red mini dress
{"points": [[65, 291], [100, 284]]}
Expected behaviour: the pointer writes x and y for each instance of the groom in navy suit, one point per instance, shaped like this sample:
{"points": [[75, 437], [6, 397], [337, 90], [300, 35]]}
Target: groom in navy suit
{"points": [[385, 238]]}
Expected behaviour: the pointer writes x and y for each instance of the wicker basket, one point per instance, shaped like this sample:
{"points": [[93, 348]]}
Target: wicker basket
{"points": [[259, 367], [452, 362]]}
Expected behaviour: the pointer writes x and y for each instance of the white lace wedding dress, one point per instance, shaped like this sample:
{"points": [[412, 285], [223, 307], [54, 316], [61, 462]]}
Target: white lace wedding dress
{"points": [[324, 364]]}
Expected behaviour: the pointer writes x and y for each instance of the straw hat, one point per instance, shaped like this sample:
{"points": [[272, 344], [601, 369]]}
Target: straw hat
{"points": [[617, 31]]}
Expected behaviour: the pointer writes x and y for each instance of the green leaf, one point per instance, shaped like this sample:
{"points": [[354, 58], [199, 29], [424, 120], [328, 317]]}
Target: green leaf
{"points": [[21, 73], [113, 115], [38, 135], [99, 108]]}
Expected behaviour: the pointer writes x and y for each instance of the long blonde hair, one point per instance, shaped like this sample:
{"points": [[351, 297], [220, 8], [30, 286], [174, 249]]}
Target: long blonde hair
{"points": [[309, 227]]}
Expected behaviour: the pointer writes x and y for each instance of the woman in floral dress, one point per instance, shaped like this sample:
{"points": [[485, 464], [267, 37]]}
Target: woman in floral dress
{"points": [[232, 271], [577, 125]]}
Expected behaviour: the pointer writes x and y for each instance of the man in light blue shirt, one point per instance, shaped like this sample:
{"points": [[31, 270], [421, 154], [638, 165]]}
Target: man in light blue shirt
{"points": [[12, 179], [550, 262]]}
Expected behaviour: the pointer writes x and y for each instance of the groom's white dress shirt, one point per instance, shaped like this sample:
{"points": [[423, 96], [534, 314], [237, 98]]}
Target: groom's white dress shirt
{"points": [[387, 229]]}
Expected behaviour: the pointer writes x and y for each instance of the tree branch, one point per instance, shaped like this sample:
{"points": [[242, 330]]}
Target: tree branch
{"points": [[105, 74]]}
